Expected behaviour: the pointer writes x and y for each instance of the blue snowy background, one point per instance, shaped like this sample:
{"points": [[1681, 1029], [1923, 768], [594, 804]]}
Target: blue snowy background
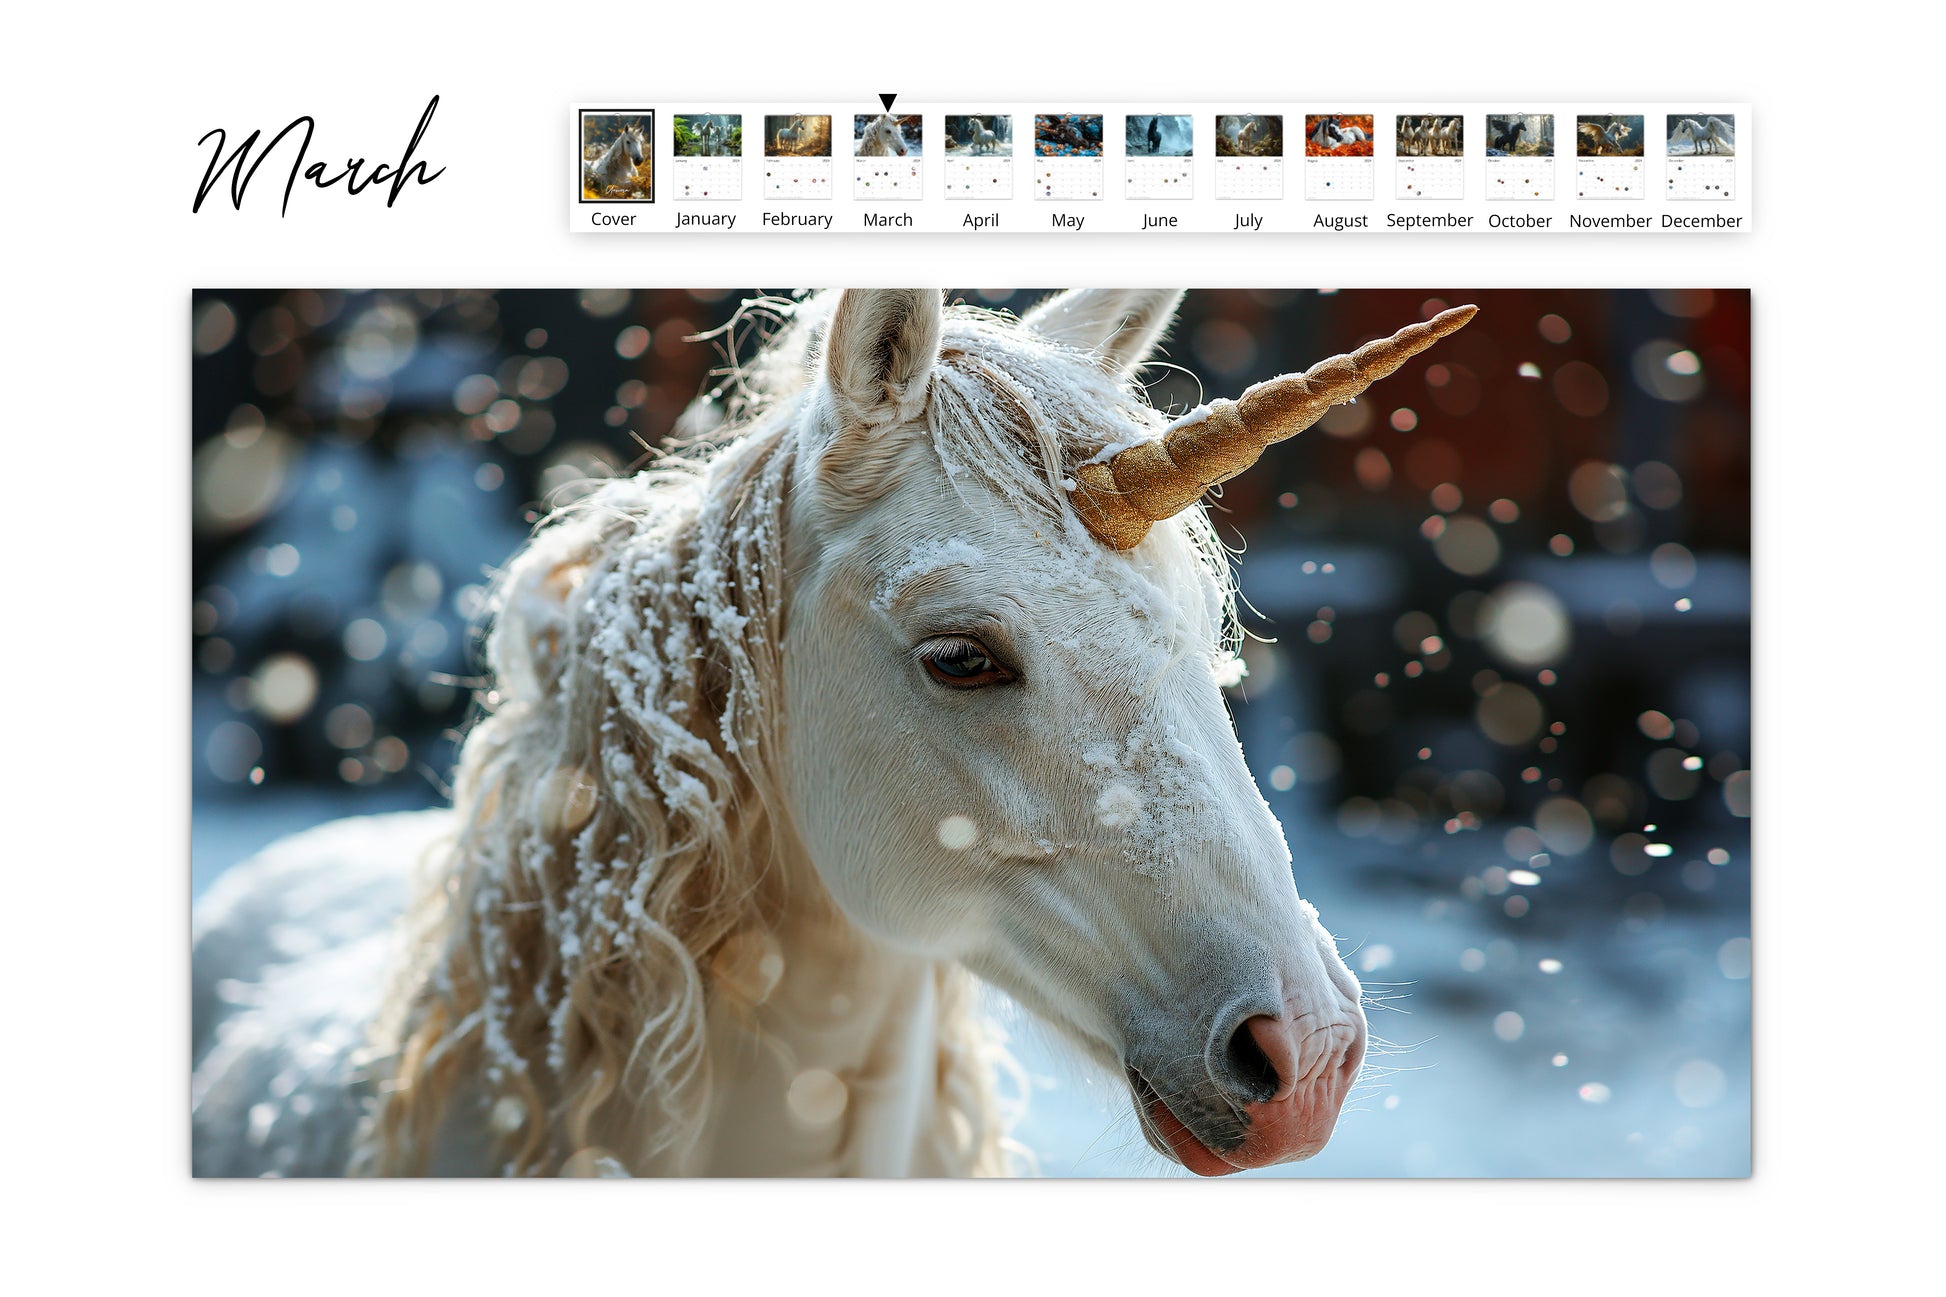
{"points": [[1505, 718]]}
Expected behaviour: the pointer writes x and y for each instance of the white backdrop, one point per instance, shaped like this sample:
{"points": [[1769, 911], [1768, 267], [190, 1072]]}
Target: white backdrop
{"points": [[103, 110]]}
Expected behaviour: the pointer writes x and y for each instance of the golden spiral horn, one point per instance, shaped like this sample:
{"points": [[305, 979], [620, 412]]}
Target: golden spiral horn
{"points": [[1120, 496]]}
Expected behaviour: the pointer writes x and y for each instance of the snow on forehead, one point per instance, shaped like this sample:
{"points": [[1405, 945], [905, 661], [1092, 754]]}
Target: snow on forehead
{"points": [[925, 558]]}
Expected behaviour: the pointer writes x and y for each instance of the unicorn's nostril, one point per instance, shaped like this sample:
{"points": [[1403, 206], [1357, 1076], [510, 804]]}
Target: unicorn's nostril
{"points": [[1250, 1068]]}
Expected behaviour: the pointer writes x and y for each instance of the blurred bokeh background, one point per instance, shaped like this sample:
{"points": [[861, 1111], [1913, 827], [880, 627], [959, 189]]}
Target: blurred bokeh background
{"points": [[1504, 709]]}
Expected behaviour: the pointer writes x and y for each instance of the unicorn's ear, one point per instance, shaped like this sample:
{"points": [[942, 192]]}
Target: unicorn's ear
{"points": [[1120, 325], [879, 352]]}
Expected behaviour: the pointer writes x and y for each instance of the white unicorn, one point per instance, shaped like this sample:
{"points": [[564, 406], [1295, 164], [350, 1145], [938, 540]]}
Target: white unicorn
{"points": [[914, 676], [982, 140], [881, 137], [789, 137], [616, 164], [1712, 136]]}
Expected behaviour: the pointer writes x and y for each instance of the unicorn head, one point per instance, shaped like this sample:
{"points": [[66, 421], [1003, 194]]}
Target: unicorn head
{"points": [[931, 649], [1008, 741], [883, 137]]}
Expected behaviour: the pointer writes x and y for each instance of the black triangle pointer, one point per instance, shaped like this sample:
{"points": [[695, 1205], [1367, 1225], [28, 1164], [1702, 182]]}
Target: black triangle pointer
{"points": [[887, 101]]}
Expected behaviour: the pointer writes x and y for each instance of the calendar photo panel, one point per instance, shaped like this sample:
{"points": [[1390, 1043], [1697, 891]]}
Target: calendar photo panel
{"points": [[1159, 148], [1701, 135], [1249, 135], [1431, 149], [708, 135], [886, 157], [1610, 136], [1249, 157], [1701, 148], [1608, 151], [1520, 135], [979, 156], [1338, 135], [708, 161], [888, 135], [1338, 157], [797, 135], [797, 156], [1520, 157], [1068, 149]]}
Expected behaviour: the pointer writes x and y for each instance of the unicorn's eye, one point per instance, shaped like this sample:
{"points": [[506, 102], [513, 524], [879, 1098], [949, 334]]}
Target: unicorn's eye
{"points": [[959, 662]]}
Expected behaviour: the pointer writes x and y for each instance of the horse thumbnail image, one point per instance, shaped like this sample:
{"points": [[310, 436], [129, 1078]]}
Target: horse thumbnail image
{"points": [[1160, 136], [1520, 135], [886, 135], [1067, 135], [797, 135], [617, 157], [1441, 136], [1338, 135], [969, 136], [709, 135], [1249, 135], [1613, 136], [1702, 135]]}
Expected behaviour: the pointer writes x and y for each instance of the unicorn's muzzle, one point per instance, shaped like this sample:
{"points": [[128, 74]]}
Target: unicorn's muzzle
{"points": [[1268, 1089]]}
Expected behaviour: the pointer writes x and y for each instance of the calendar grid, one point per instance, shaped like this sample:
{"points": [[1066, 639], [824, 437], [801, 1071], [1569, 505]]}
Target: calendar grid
{"points": [[1160, 178], [882, 179], [980, 178], [707, 179], [1702, 179], [1605, 179], [1069, 179], [1339, 179], [1432, 178], [794, 179], [1518, 180], [1250, 179]]}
